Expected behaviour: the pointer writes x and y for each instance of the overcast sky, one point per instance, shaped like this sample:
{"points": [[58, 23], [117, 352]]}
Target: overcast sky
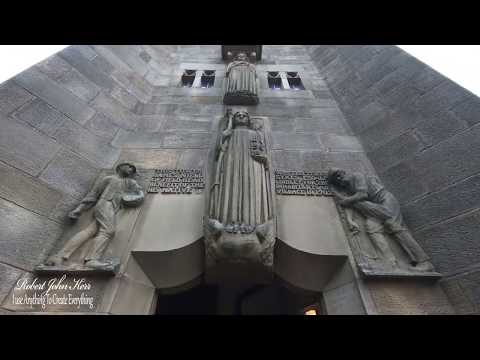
{"points": [[457, 62]]}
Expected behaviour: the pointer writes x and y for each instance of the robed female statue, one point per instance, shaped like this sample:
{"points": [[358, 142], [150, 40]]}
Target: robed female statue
{"points": [[240, 208]]}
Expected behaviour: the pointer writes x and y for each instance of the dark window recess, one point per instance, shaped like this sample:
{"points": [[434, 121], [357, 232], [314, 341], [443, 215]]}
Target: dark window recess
{"points": [[188, 78], [208, 79], [274, 80], [294, 81]]}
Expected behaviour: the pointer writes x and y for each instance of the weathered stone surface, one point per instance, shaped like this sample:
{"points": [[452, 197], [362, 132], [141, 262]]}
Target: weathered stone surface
{"points": [[79, 85], [151, 158], [69, 174], [439, 127], [457, 236], [317, 124], [24, 148], [344, 300], [463, 291], [64, 101], [27, 191], [12, 97], [396, 150], [409, 298], [75, 58], [83, 142], [192, 124], [185, 139], [124, 97], [9, 276], [103, 126], [468, 111], [113, 109], [26, 237], [341, 143], [455, 199], [41, 116], [287, 159], [443, 97], [282, 140], [54, 67], [192, 159], [132, 298]]}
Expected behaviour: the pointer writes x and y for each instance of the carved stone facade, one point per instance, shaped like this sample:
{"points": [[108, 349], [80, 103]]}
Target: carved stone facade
{"points": [[240, 226]]}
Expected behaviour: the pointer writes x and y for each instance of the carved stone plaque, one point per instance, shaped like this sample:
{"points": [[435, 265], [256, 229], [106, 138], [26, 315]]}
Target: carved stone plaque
{"points": [[303, 183], [177, 181]]}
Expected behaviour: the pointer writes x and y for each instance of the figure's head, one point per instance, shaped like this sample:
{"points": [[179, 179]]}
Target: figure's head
{"points": [[337, 177], [126, 170], [241, 57], [241, 118]]}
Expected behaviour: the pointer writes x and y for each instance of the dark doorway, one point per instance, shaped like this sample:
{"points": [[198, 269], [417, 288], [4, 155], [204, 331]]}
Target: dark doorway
{"points": [[273, 299]]}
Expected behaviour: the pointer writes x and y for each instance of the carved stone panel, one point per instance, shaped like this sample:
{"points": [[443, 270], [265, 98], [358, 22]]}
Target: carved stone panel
{"points": [[240, 216], [380, 242]]}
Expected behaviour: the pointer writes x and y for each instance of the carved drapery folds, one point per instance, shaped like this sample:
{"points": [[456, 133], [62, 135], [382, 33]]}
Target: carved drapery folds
{"points": [[240, 75], [380, 241], [239, 225]]}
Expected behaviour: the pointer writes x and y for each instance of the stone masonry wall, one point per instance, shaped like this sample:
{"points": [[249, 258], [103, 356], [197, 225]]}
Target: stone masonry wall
{"points": [[71, 117], [421, 132]]}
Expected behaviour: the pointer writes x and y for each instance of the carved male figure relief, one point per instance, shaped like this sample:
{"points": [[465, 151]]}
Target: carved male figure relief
{"points": [[107, 197], [381, 211], [241, 82]]}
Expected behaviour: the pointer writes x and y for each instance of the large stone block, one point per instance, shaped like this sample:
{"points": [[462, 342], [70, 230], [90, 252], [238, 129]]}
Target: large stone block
{"points": [[78, 84], [70, 174], [75, 58], [63, 100], [27, 191], [184, 139], [392, 125], [54, 67], [192, 159], [403, 182], [282, 140], [41, 116], [24, 148], [152, 158], [342, 143], [442, 97], [451, 201], [12, 97], [450, 161], [458, 236], [193, 124], [287, 159], [468, 111], [88, 145], [396, 150], [463, 291], [344, 300], [115, 111], [102, 125], [26, 236], [439, 127]]}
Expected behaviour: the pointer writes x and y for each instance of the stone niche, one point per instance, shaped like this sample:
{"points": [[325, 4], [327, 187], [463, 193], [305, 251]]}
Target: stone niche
{"points": [[254, 52]]}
